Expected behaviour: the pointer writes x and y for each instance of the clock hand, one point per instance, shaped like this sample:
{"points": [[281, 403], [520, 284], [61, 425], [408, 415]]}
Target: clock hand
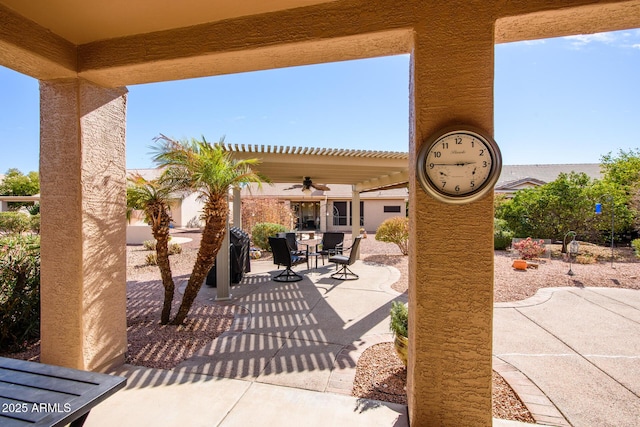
{"points": [[454, 164]]}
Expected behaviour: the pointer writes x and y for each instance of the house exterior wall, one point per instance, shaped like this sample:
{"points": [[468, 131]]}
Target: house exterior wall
{"points": [[374, 213], [187, 211]]}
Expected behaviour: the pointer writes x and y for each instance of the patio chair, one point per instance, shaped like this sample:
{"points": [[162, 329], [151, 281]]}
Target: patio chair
{"points": [[344, 273], [331, 244], [297, 248], [282, 256]]}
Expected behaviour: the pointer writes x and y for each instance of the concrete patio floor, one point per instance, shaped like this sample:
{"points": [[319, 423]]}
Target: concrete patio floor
{"points": [[290, 357]]}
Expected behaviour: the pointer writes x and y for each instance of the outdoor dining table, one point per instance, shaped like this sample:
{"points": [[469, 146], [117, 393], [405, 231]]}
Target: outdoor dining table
{"points": [[37, 394]]}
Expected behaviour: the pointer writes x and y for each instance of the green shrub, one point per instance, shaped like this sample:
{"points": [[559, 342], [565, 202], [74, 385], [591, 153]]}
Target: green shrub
{"points": [[399, 323], [261, 232], [33, 209], [501, 234], [19, 290], [636, 246], [14, 222], [395, 230], [34, 223]]}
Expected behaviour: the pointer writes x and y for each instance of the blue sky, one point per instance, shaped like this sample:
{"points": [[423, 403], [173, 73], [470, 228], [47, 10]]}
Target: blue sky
{"points": [[564, 100]]}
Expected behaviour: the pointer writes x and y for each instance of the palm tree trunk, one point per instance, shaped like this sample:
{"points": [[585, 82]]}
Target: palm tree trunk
{"points": [[160, 230], [216, 211]]}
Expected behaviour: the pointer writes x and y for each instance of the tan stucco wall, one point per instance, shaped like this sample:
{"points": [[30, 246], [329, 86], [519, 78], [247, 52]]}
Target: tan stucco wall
{"points": [[451, 251], [83, 224], [374, 213]]}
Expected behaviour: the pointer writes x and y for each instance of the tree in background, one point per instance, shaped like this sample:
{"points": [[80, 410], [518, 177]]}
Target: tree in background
{"points": [[257, 210], [15, 183], [623, 171], [152, 197], [199, 166], [549, 211], [568, 203]]}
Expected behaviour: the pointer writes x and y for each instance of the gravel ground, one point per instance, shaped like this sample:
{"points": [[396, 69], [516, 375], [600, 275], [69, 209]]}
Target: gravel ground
{"points": [[380, 374]]}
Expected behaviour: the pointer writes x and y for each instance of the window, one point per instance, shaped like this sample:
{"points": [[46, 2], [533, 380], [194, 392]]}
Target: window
{"points": [[395, 209], [339, 213]]}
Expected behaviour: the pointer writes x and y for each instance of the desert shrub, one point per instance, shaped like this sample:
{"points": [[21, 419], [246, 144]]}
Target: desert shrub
{"points": [[261, 232], [586, 258], [501, 234], [149, 245], [530, 248], [174, 248], [19, 290], [14, 222], [34, 223], [395, 230], [636, 246], [33, 209], [151, 259]]}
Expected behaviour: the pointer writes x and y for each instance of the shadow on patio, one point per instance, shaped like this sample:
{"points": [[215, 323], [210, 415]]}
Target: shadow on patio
{"points": [[303, 334]]}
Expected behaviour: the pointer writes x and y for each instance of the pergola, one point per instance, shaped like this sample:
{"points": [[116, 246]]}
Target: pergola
{"points": [[85, 53], [364, 170]]}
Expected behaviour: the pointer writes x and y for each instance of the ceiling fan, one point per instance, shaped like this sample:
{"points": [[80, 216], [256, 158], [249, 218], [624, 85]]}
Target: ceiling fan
{"points": [[307, 184]]}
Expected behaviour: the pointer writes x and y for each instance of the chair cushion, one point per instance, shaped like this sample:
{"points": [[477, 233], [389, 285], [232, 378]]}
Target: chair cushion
{"points": [[340, 259]]}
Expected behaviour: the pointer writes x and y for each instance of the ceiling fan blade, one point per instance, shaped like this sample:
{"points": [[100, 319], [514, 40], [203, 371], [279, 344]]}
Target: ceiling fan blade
{"points": [[293, 187], [320, 187]]}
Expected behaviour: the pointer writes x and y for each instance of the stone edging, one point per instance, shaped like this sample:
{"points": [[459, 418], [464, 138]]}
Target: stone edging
{"points": [[541, 408], [344, 367]]}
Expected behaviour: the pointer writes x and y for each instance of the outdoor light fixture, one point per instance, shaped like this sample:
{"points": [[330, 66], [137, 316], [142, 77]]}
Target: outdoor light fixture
{"points": [[608, 198], [307, 191], [572, 248]]}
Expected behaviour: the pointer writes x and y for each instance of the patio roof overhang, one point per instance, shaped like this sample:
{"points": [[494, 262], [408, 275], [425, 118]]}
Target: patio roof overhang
{"points": [[364, 169]]}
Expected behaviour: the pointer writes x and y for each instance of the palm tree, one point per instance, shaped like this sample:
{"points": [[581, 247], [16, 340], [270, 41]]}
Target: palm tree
{"points": [[152, 196], [208, 169]]}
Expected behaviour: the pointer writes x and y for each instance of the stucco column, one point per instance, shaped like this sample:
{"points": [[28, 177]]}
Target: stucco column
{"points": [[83, 208], [237, 207], [355, 215], [451, 246], [324, 215], [223, 270]]}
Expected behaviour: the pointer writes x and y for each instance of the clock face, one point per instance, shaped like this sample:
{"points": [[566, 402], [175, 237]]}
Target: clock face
{"points": [[458, 166]]}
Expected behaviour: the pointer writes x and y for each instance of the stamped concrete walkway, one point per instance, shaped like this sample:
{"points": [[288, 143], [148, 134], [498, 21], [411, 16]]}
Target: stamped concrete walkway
{"points": [[574, 355]]}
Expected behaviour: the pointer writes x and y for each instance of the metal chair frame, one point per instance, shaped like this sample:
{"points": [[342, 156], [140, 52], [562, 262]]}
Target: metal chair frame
{"points": [[343, 261], [282, 256]]}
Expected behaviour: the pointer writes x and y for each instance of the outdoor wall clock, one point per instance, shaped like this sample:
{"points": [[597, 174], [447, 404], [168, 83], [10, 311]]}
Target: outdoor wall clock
{"points": [[459, 164]]}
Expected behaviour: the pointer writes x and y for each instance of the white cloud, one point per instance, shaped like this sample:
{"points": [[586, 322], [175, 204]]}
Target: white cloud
{"points": [[636, 46], [623, 39], [584, 39], [535, 42]]}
